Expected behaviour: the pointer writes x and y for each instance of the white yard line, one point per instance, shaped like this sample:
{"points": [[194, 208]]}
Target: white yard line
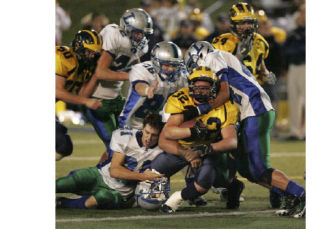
{"points": [[172, 216], [281, 154]]}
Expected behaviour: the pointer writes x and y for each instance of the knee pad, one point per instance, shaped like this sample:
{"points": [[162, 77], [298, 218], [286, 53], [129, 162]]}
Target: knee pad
{"points": [[64, 144], [266, 176]]}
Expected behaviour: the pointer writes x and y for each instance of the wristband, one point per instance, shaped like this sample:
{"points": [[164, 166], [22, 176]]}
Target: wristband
{"points": [[146, 91]]}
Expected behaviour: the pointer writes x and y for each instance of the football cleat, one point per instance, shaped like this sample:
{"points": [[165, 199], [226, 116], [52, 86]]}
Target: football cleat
{"points": [[172, 204], [301, 212], [275, 199], [200, 201], [293, 204], [235, 189]]}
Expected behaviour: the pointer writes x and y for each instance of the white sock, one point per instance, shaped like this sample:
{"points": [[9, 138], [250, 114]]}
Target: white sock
{"points": [[174, 200]]}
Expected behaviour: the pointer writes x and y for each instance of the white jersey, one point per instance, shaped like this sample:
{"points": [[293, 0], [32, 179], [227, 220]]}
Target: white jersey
{"points": [[136, 106], [117, 44], [246, 92], [128, 141]]}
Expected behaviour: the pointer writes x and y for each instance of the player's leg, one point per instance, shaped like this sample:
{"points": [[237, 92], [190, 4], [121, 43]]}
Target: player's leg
{"points": [[64, 146], [226, 178], [204, 178], [80, 182], [168, 164], [256, 136]]}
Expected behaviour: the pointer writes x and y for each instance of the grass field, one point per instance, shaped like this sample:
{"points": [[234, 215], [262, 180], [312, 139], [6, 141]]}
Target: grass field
{"points": [[254, 212]]}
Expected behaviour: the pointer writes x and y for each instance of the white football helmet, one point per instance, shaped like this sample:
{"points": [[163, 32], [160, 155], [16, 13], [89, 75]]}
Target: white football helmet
{"points": [[167, 52], [196, 53], [137, 24], [151, 195]]}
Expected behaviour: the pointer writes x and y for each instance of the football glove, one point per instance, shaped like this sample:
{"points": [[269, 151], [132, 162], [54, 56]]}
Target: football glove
{"points": [[192, 112], [244, 47], [203, 150], [199, 130], [270, 78]]}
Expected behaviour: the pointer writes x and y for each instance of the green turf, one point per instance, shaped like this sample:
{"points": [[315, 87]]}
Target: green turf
{"points": [[88, 145]]}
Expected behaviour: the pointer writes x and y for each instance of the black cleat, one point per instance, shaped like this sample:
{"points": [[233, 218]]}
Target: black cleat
{"points": [[293, 204], [165, 208], [200, 201], [235, 189]]}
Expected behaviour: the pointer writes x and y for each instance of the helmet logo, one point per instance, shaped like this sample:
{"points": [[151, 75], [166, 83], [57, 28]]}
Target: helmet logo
{"points": [[131, 15], [198, 48]]}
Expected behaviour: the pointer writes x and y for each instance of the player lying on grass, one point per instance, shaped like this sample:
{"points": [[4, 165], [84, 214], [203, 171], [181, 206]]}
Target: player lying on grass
{"points": [[217, 127], [257, 118], [112, 185]]}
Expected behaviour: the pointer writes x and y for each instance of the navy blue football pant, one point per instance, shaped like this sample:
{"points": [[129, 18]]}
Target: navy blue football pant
{"points": [[169, 164]]}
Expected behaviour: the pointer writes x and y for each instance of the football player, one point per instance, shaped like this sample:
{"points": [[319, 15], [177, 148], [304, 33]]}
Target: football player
{"points": [[245, 43], [112, 185], [151, 83], [122, 47], [257, 118], [74, 78], [217, 127]]}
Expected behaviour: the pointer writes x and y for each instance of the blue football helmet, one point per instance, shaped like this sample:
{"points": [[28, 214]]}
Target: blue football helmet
{"points": [[168, 53], [150, 195], [196, 54]]}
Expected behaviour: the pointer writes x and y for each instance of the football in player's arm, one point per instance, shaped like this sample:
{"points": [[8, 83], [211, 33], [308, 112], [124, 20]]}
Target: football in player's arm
{"points": [[75, 81], [111, 185], [202, 144]]}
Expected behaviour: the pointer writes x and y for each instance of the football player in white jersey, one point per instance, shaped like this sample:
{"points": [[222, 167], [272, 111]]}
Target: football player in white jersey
{"points": [[152, 82], [257, 117], [112, 185], [121, 48]]}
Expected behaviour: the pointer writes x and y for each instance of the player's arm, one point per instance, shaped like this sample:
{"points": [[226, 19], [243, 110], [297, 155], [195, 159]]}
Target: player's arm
{"points": [[88, 88], [103, 71], [66, 96], [173, 147], [172, 130], [117, 170], [229, 139], [222, 97], [145, 90]]}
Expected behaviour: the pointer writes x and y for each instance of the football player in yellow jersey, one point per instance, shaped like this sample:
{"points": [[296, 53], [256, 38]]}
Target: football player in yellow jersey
{"points": [[74, 81], [245, 43], [216, 128]]}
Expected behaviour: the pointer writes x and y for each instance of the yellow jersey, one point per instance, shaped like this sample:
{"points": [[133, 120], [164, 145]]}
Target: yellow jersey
{"points": [[215, 120], [67, 66], [259, 51]]}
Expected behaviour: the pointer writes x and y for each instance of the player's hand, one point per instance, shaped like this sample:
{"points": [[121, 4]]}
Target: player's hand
{"points": [[244, 47], [196, 163], [270, 78], [93, 103], [151, 90], [203, 150], [188, 154], [150, 175], [199, 130]]}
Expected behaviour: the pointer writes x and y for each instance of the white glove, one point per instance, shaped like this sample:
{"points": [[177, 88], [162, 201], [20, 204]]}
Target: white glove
{"points": [[244, 47], [270, 78]]}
